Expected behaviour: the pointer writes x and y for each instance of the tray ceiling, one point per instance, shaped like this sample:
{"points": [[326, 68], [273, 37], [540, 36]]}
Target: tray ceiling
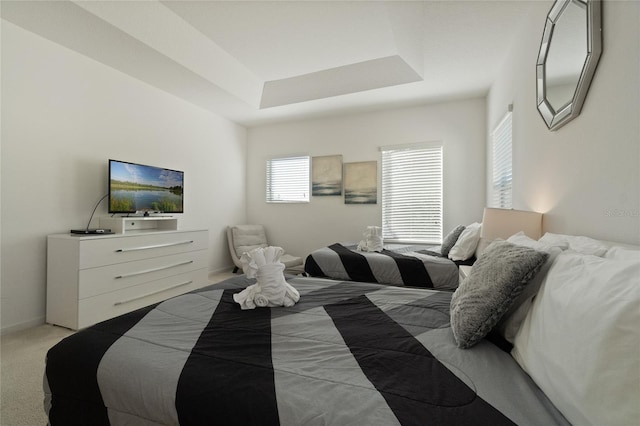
{"points": [[264, 61]]}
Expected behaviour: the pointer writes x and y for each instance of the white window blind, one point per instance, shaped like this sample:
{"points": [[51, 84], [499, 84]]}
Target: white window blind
{"points": [[502, 175], [288, 180], [412, 193]]}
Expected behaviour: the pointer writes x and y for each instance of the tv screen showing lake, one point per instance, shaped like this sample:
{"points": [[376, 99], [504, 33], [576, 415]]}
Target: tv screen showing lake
{"points": [[138, 200]]}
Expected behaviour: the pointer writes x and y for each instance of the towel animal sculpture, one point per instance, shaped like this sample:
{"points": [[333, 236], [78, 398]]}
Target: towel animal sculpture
{"points": [[270, 289], [372, 239]]}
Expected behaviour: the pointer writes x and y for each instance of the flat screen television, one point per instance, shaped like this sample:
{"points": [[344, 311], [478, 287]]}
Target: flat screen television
{"points": [[136, 188]]}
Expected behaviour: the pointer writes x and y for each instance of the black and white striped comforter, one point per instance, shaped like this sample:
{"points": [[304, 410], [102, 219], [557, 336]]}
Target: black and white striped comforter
{"points": [[396, 264], [347, 354]]}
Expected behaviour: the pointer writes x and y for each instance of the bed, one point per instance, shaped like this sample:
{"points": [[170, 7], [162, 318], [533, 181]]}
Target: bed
{"points": [[396, 264], [348, 353]]}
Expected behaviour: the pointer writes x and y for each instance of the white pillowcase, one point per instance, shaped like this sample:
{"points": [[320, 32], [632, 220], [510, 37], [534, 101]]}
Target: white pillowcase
{"points": [[581, 244], [513, 318], [622, 253], [522, 239], [467, 242], [580, 339]]}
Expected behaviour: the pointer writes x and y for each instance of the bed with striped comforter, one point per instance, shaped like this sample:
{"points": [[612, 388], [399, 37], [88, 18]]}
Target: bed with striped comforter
{"points": [[347, 353], [396, 264]]}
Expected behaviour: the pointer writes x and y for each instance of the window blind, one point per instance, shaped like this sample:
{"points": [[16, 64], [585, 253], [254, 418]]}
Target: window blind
{"points": [[502, 166], [288, 180], [412, 193]]}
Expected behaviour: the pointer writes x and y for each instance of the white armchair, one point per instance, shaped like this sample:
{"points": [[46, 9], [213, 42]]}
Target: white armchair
{"points": [[244, 238]]}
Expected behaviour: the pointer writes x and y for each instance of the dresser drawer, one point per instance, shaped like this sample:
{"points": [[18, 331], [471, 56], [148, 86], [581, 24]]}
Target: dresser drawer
{"points": [[105, 279], [112, 250], [99, 308]]}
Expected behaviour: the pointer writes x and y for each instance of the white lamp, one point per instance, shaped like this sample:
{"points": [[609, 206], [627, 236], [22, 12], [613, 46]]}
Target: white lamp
{"points": [[503, 223]]}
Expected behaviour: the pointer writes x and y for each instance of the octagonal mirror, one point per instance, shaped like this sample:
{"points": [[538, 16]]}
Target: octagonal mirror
{"points": [[569, 53]]}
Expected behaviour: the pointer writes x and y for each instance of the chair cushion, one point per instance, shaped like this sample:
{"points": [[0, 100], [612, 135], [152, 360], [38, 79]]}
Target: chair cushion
{"points": [[248, 237]]}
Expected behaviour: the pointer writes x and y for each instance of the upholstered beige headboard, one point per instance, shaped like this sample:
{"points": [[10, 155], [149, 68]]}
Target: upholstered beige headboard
{"points": [[503, 223]]}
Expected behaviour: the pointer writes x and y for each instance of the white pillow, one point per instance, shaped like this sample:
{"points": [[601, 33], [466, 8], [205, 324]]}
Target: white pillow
{"points": [[580, 339], [522, 239], [467, 242], [515, 315], [584, 245], [622, 253]]}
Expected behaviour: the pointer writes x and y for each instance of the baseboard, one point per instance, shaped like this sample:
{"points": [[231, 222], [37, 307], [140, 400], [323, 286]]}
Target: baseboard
{"points": [[22, 326], [221, 270]]}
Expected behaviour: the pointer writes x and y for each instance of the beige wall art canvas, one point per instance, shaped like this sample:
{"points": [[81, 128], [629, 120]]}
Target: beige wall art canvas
{"points": [[361, 183], [326, 175]]}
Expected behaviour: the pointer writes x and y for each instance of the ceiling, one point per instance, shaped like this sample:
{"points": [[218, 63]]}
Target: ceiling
{"points": [[256, 62]]}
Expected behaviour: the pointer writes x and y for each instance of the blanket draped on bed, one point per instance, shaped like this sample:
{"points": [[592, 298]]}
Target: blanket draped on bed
{"points": [[405, 266], [347, 353]]}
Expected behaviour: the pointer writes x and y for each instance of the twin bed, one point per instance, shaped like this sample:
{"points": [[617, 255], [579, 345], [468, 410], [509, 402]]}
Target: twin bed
{"points": [[356, 353], [396, 264]]}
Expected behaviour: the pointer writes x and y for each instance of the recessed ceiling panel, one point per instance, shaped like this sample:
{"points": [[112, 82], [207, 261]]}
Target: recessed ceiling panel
{"points": [[374, 74], [283, 39]]}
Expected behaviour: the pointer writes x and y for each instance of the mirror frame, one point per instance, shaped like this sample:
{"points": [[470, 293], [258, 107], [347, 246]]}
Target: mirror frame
{"points": [[556, 119]]}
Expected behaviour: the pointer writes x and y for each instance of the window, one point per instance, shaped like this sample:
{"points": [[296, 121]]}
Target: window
{"points": [[288, 180], [501, 171], [412, 193]]}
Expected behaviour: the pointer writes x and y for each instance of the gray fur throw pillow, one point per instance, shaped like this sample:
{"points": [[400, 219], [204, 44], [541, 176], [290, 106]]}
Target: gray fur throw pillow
{"points": [[496, 279], [450, 240]]}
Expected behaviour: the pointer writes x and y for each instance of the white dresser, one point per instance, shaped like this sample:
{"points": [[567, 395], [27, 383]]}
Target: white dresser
{"points": [[97, 277]]}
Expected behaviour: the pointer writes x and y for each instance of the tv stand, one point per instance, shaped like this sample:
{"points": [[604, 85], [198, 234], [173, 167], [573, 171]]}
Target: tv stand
{"points": [[139, 224]]}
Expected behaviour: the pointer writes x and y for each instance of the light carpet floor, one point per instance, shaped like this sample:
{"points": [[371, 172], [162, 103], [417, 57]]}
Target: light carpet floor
{"points": [[22, 370], [22, 356]]}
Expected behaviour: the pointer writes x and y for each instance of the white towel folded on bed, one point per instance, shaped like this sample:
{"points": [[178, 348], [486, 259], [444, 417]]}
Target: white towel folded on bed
{"points": [[372, 239], [270, 289]]}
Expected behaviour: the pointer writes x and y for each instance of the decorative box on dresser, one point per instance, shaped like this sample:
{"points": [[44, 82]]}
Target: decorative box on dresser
{"points": [[97, 277]]}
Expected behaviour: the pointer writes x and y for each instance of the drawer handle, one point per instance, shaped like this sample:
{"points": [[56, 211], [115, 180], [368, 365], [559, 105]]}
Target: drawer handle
{"points": [[153, 247], [122, 302], [161, 268]]}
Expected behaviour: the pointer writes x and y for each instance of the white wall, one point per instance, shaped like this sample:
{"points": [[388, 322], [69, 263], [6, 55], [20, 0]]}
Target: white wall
{"points": [[301, 228], [1, 25], [63, 117], [585, 176]]}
